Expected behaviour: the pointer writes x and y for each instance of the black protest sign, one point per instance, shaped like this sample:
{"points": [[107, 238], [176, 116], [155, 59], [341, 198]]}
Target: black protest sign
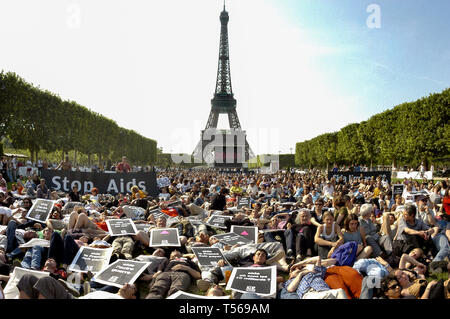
{"points": [[121, 227], [185, 295], [397, 189], [107, 183], [249, 232], [346, 176], [164, 237], [90, 259], [244, 202], [208, 257], [218, 221], [41, 209], [121, 272], [144, 227], [233, 239], [259, 280], [154, 262]]}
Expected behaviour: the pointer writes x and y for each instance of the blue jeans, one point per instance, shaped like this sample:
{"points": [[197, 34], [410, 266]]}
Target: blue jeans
{"points": [[33, 258], [441, 243], [284, 294], [12, 245], [371, 268], [287, 236]]}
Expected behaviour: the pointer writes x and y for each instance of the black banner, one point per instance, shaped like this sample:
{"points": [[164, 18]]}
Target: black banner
{"points": [[258, 280], [249, 232], [218, 221], [91, 259], [107, 183], [397, 189], [121, 227], [142, 226], [41, 209], [121, 272], [233, 239], [366, 175], [244, 202], [154, 261], [164, 237], [208, 257]]}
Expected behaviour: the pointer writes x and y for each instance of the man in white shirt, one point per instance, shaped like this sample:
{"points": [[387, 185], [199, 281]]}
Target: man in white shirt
{"points": [[328, 190], [252, 189], [14, 168]]}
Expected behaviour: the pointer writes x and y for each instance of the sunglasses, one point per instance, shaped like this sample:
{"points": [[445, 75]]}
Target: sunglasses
{"points": [[394, 286]]}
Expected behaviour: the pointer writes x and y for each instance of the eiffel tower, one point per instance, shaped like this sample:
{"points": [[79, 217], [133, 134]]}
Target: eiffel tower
{"points": [[224, 103]]}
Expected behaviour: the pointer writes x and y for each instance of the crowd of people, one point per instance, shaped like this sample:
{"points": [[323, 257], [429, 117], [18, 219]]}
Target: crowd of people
{"points": [[328, 238]]}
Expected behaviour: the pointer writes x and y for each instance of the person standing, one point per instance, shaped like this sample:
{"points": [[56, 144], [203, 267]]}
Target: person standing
{"points": [[65, 165], [124, 166], [14, 168]]}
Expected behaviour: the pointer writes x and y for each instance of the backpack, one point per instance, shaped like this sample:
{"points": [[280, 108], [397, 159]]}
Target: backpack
{"points": [[345, 254]]}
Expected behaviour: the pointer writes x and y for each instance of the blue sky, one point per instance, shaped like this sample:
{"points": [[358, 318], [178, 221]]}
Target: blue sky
{"points": [[299, 68], [406, 58]]}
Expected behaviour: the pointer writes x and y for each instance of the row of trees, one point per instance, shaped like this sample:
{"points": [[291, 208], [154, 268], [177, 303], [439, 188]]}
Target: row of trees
{"points": [[38, 120], [405, 135]]}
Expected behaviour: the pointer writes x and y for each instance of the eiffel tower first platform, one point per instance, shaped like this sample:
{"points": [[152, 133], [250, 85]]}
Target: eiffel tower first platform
{"points": [[223, 148]]}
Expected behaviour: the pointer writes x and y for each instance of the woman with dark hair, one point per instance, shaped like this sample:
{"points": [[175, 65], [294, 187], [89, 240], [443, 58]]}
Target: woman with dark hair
{"points": [[328, 236], [340, 210], [353, 232], [391, 289], [218, 201]]}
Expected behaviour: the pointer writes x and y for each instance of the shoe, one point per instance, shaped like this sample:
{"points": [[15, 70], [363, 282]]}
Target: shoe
{"points": [[69, 289], [113, 258], [300, 258], [203, 284]]}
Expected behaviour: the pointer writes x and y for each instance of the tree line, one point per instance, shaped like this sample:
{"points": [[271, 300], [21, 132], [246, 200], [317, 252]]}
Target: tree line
{"points": [[404, 135], [37, 119]]}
